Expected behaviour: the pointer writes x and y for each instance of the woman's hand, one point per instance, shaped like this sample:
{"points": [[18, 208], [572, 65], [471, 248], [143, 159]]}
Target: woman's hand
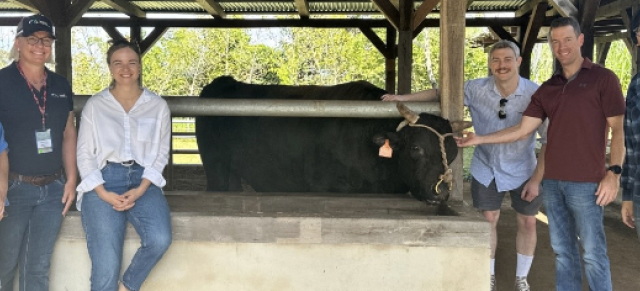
{"points": [[119, 202], [133, 194]]}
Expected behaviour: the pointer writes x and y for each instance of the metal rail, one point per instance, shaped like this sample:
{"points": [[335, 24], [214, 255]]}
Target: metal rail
{"points": [[189, 106]]}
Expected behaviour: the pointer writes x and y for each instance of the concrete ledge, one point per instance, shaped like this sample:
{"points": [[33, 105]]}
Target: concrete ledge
{"points": [[323, 250]]}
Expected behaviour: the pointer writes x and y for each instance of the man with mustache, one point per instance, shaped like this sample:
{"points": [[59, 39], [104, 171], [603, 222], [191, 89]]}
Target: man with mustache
{"points": [[496, 103]]}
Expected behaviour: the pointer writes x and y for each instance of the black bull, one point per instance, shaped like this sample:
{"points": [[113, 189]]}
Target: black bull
{"points": [[286, 154]]}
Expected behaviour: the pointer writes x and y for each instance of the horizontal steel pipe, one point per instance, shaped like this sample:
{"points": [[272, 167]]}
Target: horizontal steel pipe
{"points": [[194, 106]]}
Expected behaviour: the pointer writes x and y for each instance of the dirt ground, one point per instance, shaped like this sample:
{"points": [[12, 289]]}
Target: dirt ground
{"points": [[623, 245]]}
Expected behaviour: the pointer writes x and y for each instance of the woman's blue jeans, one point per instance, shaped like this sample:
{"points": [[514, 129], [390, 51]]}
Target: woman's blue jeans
{"points": [[28, 234], [576, 220], [105, 229]]}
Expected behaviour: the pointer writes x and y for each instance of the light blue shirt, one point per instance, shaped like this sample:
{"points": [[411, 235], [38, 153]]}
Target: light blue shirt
{"points": [[510, 164]]}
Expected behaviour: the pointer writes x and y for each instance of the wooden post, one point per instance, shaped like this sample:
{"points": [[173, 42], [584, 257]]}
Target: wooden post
{"points": [[390, 61], [63, 52], [452, 29], [405, 46], [587, 11]]}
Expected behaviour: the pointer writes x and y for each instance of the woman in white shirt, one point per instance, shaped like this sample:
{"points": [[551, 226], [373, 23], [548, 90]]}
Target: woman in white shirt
{"points": [[123, 146]]}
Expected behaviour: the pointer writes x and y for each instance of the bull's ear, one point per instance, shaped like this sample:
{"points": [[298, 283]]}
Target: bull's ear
{"points": [[394, 139], [378, 139], [458, 126]]}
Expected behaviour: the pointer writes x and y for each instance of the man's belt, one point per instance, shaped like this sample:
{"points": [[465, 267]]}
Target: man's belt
{"points": [[36, 180]]}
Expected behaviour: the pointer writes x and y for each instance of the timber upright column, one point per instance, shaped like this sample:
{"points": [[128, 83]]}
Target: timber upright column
{"points": [[452, 28]]}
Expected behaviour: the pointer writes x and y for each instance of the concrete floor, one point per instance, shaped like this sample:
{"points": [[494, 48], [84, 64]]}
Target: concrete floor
{"points": [[623, 246]]}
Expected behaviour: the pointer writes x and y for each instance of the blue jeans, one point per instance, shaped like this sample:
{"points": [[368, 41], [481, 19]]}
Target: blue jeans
{"points": [[28, 234], [576, 220], [105, 229]]}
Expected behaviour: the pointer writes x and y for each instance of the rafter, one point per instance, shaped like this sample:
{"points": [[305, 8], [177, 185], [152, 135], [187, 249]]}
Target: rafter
{"points": [[113, 32], [389, 11], [503, 34], [212, 7], [376, 41], [77, 9], [525, 8], [613, 8], [26, 4], [421, 13], [126, 7], [152, 38], [533, 28], [303, 8], [565, 7]]}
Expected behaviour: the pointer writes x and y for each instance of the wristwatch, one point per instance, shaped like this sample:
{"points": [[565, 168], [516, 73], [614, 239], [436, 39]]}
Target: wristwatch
{"points": [[615, 169]]}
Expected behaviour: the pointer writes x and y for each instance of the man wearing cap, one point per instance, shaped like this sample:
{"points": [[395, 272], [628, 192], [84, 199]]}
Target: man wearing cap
{"points": [[36, 110]]}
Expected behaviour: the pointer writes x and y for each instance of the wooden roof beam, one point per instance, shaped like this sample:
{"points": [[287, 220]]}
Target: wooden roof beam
{"points": [[26, 4], [377, 42], [53, 9], [587, 21], [303, 8], [525, 8], [126, 7], [113, 33], [421, 13], [76, 10], [503, 33], [565, 7], [389, 11], [152, 38], [533, 28], [613, 8], [212, 7]]}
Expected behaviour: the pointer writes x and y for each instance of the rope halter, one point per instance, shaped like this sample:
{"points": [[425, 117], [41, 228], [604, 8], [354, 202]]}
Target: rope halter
{"points": [[410, 119]]}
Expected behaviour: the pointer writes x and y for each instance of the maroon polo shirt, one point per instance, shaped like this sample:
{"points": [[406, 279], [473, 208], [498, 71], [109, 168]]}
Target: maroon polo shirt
{"points": [[577, 109]]}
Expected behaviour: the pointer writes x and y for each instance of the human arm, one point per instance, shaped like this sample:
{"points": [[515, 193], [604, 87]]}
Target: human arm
{"points": [[69, 143], [609, 185], [425, 95], [153, 173], [4, 179], [517, 132], [531, 190]]}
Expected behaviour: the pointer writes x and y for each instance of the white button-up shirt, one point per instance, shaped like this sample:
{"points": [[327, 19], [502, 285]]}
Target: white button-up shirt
{"points": [[108, 133], [510, 164]]}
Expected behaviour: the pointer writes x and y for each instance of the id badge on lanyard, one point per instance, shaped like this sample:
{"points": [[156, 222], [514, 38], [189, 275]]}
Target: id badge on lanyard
{"points": [[43, 141], [43, 137]]}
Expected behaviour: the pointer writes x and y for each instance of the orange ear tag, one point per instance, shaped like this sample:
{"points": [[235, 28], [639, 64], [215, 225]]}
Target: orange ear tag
{"points": [[385, 150]]}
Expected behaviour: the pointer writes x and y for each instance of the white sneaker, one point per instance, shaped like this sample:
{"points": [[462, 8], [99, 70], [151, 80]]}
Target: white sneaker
{"points": [[522, 284], [493, 283]]}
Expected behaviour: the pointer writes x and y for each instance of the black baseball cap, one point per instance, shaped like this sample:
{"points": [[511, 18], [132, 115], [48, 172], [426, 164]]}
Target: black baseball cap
{"points": [[34, 23]]}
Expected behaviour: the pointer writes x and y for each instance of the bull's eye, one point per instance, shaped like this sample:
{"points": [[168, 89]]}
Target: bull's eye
{"points": [[415, 148]]}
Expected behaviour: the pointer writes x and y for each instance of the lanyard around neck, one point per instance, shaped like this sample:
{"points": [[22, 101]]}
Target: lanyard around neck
{"points": [[42, 107]]}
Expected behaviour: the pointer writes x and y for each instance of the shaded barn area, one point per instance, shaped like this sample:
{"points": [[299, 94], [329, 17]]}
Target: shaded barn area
{"points": [[279, 241]]}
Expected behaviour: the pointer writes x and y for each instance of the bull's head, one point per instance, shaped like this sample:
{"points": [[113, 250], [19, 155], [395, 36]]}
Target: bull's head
{"points": [[425, 147]]}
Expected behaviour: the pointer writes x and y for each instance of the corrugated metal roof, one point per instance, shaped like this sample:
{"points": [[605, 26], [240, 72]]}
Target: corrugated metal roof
{"points": [[276, 7]]}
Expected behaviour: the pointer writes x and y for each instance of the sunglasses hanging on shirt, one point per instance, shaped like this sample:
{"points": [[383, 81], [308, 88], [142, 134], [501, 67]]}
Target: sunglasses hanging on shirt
{"points": [[501, 113]]}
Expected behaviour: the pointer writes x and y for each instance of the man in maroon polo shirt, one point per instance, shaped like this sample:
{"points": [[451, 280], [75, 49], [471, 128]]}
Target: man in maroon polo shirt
{"points": [[581, 99]]}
